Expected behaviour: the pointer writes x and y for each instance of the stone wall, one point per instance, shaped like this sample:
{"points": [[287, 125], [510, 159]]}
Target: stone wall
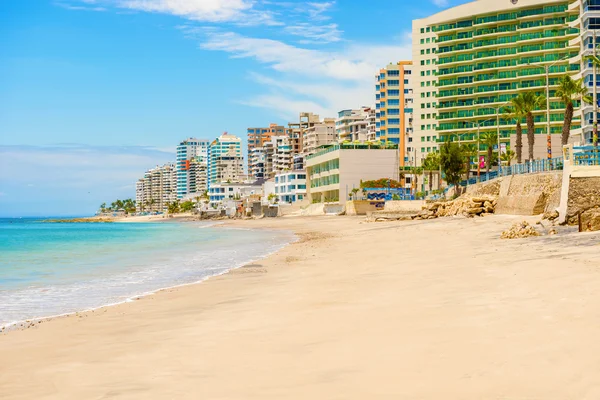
{"points": [[405, 206], [362, 207], [584, 197], [491, 188], [530, 194]]}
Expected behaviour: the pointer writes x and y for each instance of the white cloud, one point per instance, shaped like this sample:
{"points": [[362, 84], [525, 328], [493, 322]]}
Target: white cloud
{"points": [[304, 79], [316, 33], [441, 3], [353, 62], [316, 10], [80, 8]]}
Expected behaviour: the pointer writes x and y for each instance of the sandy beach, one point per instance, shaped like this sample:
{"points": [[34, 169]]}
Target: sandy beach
{"points": [[439, 309]]}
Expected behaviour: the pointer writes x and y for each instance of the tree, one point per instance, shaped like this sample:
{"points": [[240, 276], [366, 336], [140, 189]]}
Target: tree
{"points": [[570, 89], [354, 191], [173, 208], [272, 197], [532, 102], [469, 150], [103, 207], [187, 206], [516, 112], [452, 161], [490, 139], [431, 164], [508, 156]]}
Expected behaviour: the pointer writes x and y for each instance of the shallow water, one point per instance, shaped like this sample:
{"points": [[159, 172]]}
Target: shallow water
{"points": [[55, 268]]}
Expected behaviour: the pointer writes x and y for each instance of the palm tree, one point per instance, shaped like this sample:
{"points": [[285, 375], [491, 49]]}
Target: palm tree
{"points": [[469, 151], [532, 102], [570, 89], [431, 164], [490, 139], [508, 156], [515, 112]]}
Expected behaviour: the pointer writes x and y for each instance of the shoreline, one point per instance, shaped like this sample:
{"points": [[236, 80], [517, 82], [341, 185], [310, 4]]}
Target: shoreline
{"points": [[31, 322], [344, 312]]}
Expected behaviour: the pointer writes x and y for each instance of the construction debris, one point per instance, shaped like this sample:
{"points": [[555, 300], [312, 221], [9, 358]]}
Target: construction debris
{"points": [[465, 205], [520, 230]]}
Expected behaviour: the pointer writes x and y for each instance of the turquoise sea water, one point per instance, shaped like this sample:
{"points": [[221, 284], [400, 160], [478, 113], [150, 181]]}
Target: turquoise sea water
{"points": [[55, 268]]}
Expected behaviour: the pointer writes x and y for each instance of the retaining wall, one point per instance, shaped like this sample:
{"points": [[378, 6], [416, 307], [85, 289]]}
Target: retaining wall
{"points": [[362, 207]]}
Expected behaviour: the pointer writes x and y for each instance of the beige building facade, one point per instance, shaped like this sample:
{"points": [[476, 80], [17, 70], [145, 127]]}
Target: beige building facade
{"points": [[335, 170]]}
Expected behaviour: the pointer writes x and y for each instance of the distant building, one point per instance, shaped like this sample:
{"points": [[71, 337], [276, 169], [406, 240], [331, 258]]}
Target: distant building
{"points": [[290, 186], [225, 161], [394, 107], [156, 189], [335, 170], [318, 133], [192, 157], [352, 125], [257, 163], [220, 192], [257, 137]]}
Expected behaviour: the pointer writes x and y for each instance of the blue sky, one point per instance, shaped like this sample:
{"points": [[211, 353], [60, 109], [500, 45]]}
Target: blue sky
{"points": [[94, 92]]}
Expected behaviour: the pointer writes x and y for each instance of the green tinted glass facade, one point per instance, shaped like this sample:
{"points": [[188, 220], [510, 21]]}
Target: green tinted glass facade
{"points": [[486, 60]]}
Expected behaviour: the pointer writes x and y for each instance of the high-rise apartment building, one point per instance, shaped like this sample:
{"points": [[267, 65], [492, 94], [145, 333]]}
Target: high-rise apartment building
{"points": [[353, 125], [257, 137], [394, 97], [156, 189], [471, 60], [192, 157], [588, 24], [318, 133], [257, 163], [225, 160]]}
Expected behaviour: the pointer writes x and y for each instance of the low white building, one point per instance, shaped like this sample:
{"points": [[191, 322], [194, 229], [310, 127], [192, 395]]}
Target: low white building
{"points": [[290, 186], [232, 191]]}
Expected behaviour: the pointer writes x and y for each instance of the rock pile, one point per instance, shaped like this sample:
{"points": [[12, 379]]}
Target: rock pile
{"points": [[520, 230], [465, 205]]}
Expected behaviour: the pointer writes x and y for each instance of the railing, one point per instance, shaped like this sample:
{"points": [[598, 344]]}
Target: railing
{"points": [[536, 166], [586, 155]]}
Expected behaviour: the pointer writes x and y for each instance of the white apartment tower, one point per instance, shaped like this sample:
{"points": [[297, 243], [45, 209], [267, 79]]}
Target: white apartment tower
{"points": [[353, 125], [192, 157], [225, 160]]}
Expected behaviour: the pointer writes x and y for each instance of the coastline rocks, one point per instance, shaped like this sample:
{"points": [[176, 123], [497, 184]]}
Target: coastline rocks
{"points": [[468, 206], [520, 230]]}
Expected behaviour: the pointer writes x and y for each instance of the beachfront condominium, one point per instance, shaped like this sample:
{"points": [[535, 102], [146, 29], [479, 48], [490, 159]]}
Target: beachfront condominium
{"points": [[156, 189], [471, 60], [257, 159], [290, 186], [257, 137], [588, 24], [192, 157], [225, 160], [318, 133], [354, 125], [296, 130], [335, 170], [394, 97]]}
